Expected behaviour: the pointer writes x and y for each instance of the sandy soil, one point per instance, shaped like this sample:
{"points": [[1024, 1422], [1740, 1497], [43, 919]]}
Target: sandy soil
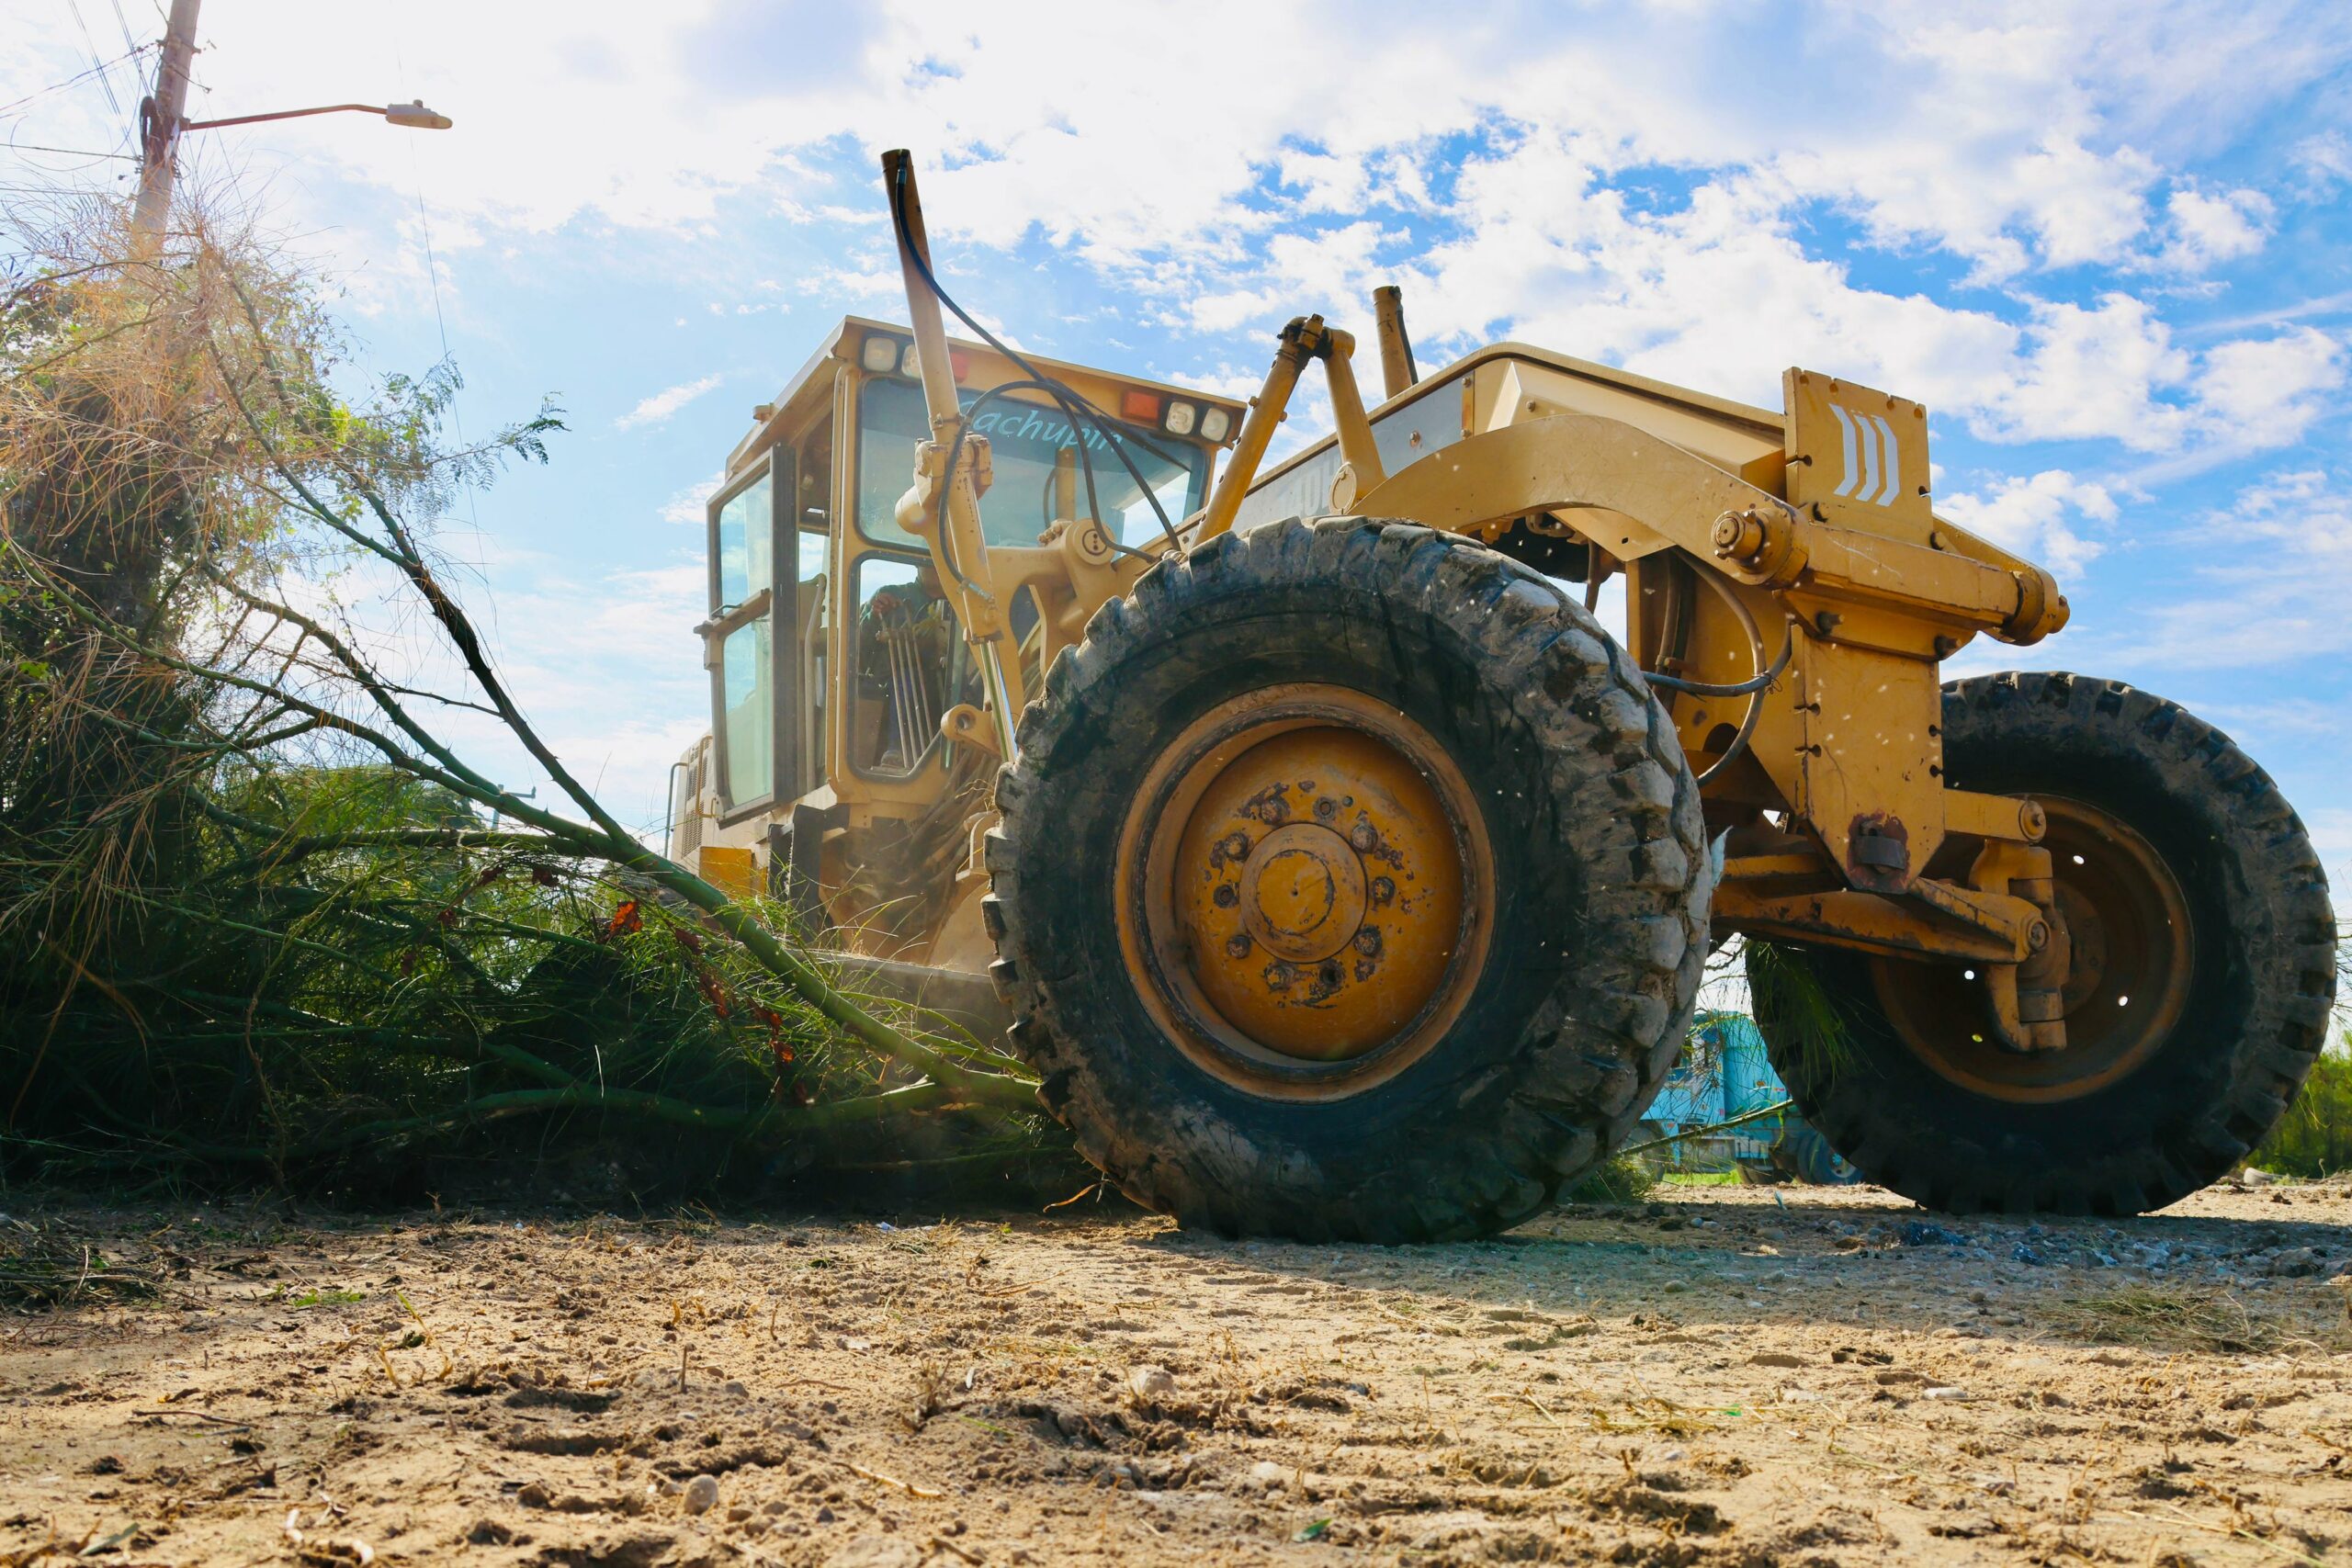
{"points": [[1727, 1375]]}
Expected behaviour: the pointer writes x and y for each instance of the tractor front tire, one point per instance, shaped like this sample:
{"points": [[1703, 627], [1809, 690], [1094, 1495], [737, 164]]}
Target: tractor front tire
{"points": [[2204, 969], [1351, 884]]}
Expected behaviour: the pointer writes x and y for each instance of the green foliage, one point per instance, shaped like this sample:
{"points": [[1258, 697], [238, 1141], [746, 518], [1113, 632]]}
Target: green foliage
{"points": [[319, 1297], [1620, 1178], [1809, 1035], [2314, 1138], [364, 1013]]}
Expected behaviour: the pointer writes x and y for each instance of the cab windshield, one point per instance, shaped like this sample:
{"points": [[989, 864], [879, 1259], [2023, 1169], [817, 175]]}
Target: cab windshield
{"points": [[1032, 449]]}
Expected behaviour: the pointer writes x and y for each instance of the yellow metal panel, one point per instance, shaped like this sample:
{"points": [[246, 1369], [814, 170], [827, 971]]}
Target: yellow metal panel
{"points": [[731, 870], [1866, 923], [1530, 389], [1870, 762], [1858, 456]]}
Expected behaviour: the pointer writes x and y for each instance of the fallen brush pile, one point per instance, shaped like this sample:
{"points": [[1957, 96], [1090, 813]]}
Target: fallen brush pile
{"points": [[377, 1018], [262, 921]]}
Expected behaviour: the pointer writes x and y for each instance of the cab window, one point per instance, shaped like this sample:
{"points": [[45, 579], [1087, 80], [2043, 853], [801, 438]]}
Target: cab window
{"points": [[744, 622], [1034, 450]]}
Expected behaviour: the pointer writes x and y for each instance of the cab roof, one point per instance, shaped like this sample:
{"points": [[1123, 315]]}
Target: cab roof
{"points": [[811, 385]]}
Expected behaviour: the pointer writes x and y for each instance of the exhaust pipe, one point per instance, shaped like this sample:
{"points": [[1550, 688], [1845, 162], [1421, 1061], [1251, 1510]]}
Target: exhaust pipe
{"points": [[1396, 349]]}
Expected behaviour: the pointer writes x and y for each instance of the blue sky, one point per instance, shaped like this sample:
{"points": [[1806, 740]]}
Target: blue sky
{"points": [[2108, 245]]}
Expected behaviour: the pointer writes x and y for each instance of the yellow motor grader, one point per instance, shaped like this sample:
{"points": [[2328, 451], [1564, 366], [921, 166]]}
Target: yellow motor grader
{"points": [[1343, 876]]}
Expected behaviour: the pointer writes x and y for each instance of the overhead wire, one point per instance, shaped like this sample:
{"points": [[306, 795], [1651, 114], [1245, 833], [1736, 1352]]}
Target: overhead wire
{"points": [[76, 80], [106, 80], [433, 276], [69, 152], [124, 23]]}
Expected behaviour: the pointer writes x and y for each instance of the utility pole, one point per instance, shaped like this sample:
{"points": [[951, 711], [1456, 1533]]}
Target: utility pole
{"points": [[160, 116]]}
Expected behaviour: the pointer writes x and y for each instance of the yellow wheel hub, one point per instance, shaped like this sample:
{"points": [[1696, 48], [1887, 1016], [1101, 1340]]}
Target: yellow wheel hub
{"points": [[2133, 956], [1308, 881], [1301, 892]]}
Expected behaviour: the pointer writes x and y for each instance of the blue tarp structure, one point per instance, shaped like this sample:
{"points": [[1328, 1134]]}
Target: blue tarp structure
{"points": [[1725, 1072]]}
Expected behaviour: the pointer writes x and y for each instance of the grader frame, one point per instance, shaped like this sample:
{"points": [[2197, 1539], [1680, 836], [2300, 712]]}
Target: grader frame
{"points": [[1832, 593]]}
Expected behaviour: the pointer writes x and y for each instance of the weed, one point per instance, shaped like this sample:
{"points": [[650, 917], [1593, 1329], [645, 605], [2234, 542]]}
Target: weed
{"points": [[318, 1298]]}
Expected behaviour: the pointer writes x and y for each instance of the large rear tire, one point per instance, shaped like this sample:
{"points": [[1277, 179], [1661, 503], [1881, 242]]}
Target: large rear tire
{"points": [[1351, 884], [2204, 970]]}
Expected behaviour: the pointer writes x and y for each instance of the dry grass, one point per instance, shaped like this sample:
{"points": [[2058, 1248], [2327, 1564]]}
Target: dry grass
{"points": [[47, 1266], [2172, 1320]]}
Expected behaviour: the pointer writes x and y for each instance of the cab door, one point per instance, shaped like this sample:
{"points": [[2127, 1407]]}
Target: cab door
{"points": [[754, 703]]}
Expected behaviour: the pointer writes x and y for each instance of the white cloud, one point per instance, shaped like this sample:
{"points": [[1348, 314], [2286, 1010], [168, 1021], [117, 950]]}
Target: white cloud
{"points": [[2324, 160], [2000, 145], [691, 506], [2038, 518], [2273, 593], [2209, 230], [2089, 373], [2262, 392], [666, 403], [2018, 140]]}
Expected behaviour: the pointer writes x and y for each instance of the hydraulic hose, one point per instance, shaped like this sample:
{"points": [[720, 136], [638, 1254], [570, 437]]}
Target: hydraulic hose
{"points": [[1753, 688]]}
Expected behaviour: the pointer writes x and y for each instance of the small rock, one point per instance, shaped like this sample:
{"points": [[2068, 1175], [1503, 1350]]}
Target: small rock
{"points": [[1918, 1233], [2253, 1178], [1944, 1392], [2026, 1254], [535, 1496], [1266, 1473], [825, 1516], [1151, 1385], [702, 1493], [488, 1533], [1775, 1359], [738, 1390]]}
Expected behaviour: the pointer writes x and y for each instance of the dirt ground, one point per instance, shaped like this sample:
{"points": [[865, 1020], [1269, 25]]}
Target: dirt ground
{"points": [[1733, 1375]]}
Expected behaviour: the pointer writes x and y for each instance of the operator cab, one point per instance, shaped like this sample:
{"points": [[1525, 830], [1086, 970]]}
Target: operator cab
{"points": [[833, 653]]}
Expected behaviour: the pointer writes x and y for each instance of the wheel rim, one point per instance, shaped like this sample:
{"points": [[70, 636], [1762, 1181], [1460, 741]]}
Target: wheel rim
{"points": [[1304, 892], [2126, 988]]}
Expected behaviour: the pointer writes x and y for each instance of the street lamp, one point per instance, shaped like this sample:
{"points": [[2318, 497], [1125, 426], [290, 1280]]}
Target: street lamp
{"points": [[161, 122], [414, 116]]}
